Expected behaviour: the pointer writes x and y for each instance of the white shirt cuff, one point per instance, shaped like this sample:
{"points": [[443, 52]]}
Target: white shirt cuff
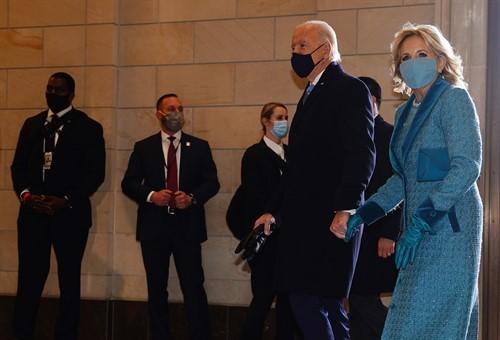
{"points": [[22, 193], [350, 211], [149, 197]]}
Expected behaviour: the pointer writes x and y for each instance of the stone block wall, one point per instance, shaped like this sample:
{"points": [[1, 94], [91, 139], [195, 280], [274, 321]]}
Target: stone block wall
{"points": [[224, 58]]}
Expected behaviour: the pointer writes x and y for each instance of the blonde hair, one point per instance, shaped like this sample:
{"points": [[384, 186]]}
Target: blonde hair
{"points": [[438, 44], [325, 32], [268, 110]]}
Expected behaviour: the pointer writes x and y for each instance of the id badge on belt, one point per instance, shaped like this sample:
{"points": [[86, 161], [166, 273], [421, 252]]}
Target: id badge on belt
{"points": [[47, 160]]}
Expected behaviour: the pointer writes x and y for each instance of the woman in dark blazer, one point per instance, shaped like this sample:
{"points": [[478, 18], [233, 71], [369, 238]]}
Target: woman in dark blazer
{"points": [[261, 169]]}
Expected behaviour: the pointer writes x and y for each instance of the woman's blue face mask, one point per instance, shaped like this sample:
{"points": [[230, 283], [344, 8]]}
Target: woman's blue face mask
{"points": [[280, 128], [418, 72]]}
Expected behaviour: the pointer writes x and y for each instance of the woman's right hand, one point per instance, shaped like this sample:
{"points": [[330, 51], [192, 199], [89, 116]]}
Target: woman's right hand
{"points": [[266, 219]]}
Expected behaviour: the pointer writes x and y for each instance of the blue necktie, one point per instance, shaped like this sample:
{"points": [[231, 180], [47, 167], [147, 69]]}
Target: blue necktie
{"points": [[309, 89]]}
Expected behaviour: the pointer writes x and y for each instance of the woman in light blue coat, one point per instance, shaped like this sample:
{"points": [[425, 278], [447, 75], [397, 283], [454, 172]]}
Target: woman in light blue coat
{"points": [[436, 155]]}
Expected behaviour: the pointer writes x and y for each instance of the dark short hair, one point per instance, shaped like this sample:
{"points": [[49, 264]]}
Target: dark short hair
{"points": [[168, 95], [70, 82], [374, 87], [267, 111]]}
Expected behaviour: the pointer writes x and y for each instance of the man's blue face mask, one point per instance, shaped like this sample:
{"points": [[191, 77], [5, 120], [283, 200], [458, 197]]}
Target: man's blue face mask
{"points": [[418, 72]]}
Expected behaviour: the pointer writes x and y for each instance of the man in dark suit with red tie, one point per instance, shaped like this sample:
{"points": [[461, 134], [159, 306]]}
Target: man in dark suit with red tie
{"points": [[331, 158], [171, 175], [59, 163]]}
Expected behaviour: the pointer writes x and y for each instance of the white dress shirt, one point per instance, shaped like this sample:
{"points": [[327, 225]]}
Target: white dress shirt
{"points": [[277, 148], [59, 114], [50, 114]]}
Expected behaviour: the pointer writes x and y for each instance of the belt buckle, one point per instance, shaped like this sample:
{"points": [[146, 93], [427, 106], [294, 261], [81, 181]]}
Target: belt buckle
{"points": [[170, 210]]}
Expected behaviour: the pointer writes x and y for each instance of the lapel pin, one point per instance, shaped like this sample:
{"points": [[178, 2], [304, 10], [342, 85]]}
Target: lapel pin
{"points": [[188, 143]]}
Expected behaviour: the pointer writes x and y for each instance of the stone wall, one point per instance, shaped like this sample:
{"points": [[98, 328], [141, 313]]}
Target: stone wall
{"points": [[224, 58]]}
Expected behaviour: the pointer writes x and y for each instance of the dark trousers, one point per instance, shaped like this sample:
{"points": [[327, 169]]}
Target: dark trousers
{"points": [[262, 281], [320, 318], [187, 258], [36, 234], [367, 317]]}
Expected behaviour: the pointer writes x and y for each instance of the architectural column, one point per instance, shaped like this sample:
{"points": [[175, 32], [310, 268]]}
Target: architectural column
{"points": [[467, 23]]}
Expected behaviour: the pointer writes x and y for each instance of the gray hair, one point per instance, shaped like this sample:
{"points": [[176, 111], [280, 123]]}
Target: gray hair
{"points": [[326, 33]]}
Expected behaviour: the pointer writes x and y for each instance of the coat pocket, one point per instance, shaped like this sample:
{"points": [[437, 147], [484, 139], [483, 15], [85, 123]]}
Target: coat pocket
{"points": [[432, 164]]}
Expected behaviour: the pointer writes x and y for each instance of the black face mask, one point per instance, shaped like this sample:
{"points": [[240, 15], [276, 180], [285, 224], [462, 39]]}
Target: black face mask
{"points": [[303, 64], [57, 103]]}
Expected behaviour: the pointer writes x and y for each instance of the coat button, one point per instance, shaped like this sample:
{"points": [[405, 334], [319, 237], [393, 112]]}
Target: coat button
{"points": [[433, 214]]}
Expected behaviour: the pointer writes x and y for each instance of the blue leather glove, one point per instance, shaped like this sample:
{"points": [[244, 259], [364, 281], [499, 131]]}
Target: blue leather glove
{"points": [[407, 245], [353, 226]]}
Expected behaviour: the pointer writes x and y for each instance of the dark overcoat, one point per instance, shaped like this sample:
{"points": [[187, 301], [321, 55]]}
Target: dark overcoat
{"points": [[331, 157], [375, 274]]}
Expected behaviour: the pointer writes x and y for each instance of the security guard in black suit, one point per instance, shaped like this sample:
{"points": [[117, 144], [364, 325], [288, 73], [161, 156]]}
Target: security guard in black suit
{"points": [[171, 175], [58, 164]]}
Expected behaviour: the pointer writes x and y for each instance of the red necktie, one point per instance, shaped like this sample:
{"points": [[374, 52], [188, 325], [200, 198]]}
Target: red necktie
{"points": [[172, 166]]}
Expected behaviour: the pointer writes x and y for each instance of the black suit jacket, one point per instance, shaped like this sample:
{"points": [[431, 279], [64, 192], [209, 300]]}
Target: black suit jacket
{"points": [[331, 159], [261, 171], [145, 173], [78, 164], [375, 274]]}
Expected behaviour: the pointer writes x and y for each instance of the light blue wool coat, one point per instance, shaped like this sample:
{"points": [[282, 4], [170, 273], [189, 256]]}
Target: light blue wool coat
{"points": [[436, 159]]}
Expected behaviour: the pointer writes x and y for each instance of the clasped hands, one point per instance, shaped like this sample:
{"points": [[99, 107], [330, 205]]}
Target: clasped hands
{"points": [[385, 246], [46, 204], [164, 197]]}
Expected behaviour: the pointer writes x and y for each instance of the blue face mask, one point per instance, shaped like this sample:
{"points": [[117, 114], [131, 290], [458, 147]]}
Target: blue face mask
{"points": [[418, 72], [280, 128]]}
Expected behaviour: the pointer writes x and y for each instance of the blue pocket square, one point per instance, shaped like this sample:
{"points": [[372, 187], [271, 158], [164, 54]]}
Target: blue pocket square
{"points": [[433, 164]]}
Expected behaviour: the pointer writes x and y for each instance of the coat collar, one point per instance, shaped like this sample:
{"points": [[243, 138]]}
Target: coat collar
{"points": [[185, 139], [272, 156], [158, 149], [67, 119], [379, 119], [423, 112], [329, 73]]}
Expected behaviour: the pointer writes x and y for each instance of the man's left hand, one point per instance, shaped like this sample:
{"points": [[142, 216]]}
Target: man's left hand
{"points": [[339, 224], [182, 200]]}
